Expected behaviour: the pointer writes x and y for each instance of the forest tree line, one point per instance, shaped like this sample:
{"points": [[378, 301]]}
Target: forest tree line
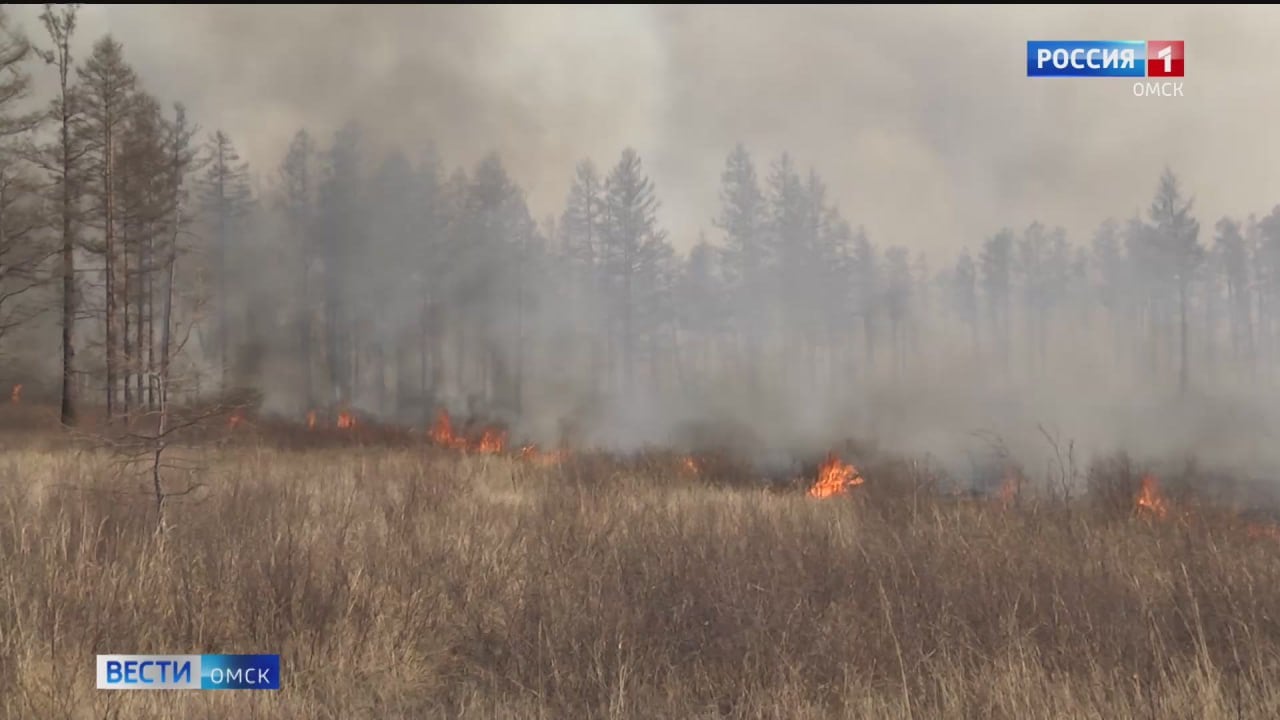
{"points": [[387, 281]]}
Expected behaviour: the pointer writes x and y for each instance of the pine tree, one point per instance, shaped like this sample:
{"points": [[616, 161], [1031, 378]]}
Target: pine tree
{"points": [[226, 198], [655, 289], [837, 273], [1265, 234], [995, 263], [634, 247], [744, 252], [182, 160], [144, 197], [701, 301], [964, 295], [1114, 288], [107, 83], [582, 236], [341, 239], [1042, 260], [788, 228], [898, 286], [298, 189], [867, 292], [500, 231], [428, 263], [1234, 254], [1180, 254], [386, 268], [815, 300], [581, 222]]}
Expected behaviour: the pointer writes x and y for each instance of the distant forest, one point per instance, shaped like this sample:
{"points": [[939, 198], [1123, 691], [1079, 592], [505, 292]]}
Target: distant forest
{"points": [[139, 258]]}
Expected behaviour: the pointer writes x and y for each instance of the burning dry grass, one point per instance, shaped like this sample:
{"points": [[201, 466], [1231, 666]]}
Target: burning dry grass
{"points": [[835, 477], [401, 583]]}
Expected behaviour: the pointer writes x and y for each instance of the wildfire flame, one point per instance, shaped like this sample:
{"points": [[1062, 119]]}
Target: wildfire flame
{"points": [[691, 465], [1150, 499], [311, 420], [491, 442], [16, 396], [835, 478], [235, 420], [441, 433], [346, 420]]}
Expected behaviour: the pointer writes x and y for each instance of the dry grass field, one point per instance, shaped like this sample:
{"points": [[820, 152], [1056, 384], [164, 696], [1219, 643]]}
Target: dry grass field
{"points": [[419, 582]]}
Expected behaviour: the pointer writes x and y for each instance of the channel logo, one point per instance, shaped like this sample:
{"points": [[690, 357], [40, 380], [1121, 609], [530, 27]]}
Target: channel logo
{"points": [[188, 672], [1105, 58]]}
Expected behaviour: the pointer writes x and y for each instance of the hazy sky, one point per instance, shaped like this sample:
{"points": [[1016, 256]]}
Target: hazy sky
{"points": [[920, 119]]}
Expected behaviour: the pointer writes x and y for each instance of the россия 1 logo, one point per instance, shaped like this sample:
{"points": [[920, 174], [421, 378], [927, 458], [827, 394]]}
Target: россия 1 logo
{"points": [[1164, 58], [1111, 58]]}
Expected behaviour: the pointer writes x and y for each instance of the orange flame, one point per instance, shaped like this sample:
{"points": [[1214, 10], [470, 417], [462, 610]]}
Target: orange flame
{"points": [[235, 420], [346, 420], [1150, 499], [16, 396], [691, 465], [835, 478], [491, 442], [441, 433], [311, 419]]}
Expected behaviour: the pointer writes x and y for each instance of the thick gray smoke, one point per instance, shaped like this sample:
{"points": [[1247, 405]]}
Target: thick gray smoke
{"points": [[919, 120]]}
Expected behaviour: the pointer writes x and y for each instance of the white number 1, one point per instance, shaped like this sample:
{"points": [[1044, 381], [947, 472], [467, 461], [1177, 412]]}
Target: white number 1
{"points": [[1166, 54]]}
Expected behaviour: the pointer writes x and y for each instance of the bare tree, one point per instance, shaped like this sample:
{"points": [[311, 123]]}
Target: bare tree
{"points": [[22, 248], [15, 82], [23, 251], [63, 159]]}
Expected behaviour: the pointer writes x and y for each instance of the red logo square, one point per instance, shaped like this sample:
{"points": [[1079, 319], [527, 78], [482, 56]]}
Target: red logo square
{"points": [[1164, 58]]}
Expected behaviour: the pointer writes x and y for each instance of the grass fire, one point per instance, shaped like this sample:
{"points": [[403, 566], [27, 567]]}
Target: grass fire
{"points": [[638, 361], [1150, 499], [834, 478], [643, 551]]}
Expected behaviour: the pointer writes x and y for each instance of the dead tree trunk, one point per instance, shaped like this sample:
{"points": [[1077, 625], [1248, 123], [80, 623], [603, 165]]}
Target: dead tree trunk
{"points": [[125, 340], [110, 250]]}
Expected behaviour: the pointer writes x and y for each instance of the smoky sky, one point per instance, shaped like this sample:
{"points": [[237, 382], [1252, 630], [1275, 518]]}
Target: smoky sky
{"points": [[920, 119]]}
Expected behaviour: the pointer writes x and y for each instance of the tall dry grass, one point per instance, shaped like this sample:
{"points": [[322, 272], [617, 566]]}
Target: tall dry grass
{"points": [[401, 583]]}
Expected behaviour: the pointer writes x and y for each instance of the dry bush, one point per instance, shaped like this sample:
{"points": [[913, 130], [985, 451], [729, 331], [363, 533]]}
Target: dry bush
{"points": [[408, 583]]}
